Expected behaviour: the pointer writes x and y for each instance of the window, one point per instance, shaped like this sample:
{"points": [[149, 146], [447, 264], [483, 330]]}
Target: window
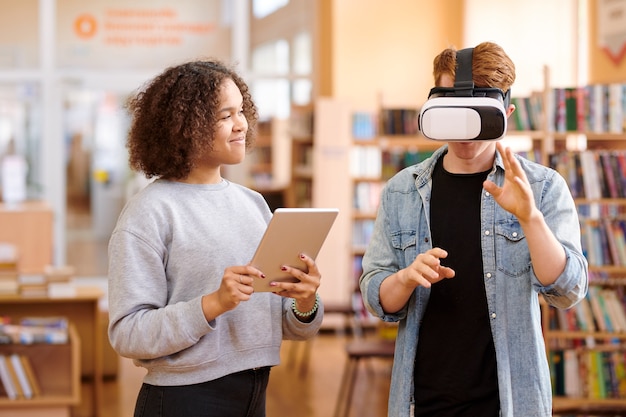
{"points": [[262, 8]]}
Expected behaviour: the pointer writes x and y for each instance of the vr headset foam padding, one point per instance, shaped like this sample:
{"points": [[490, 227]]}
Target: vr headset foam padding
{"points": [[462, 112]]}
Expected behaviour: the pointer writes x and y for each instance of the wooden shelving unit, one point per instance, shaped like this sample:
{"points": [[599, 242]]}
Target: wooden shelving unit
{"points": [[82, 311], [269, 162], [582, 343], [300, 190], [57, 369], [395, 144]]}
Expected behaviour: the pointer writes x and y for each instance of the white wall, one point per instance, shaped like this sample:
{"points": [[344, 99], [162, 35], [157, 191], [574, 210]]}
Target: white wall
{"points": [[534, 33]]}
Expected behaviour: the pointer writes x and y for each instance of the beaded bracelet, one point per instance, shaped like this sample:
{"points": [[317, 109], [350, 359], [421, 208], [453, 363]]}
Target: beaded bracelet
{"points": [[308, 313]]}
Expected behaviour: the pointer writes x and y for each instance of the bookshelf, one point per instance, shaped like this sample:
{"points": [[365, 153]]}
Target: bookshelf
{"points": [[82, 310], [267, 168], [57, 371], [300, 190], [261, 172], [382, 143], [586, 344]]}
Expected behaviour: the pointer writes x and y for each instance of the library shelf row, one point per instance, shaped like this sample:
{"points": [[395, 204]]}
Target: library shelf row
{"points": [[57, 370], [592, 206], [300, 189]]}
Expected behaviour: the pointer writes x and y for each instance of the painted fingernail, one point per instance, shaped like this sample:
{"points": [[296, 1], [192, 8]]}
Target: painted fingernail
{"points": [[283, 268]]}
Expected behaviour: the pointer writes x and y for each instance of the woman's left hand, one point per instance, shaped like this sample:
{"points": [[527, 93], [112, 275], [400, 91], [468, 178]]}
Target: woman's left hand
{"points": [[304, 291]]}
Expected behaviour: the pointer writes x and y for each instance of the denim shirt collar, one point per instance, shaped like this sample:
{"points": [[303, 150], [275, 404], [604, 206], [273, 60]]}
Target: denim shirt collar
{"points": [[422, 172]]}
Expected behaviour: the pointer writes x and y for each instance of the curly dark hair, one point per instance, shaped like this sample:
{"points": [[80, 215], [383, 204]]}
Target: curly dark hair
{"points": [[174, 118]]}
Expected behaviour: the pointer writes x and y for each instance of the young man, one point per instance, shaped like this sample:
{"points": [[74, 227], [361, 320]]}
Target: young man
{"points": [[463, 243]]}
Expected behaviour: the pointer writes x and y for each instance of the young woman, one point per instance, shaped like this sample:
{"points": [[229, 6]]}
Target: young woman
{"points": [[181, 302]]}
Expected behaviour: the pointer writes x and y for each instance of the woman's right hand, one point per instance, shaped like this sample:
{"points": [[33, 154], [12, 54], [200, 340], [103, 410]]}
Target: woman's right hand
{"points": [[236, 286]]}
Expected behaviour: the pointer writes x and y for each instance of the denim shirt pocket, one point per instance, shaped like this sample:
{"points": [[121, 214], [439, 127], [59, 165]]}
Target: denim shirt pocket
{"points": [[512, 250], [404, 241]]}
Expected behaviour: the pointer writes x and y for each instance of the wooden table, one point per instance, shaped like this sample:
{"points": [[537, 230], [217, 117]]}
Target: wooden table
{"points": [[83, 312]]}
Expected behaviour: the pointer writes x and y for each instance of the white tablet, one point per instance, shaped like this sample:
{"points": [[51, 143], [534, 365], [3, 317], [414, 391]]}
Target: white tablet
{"points": [[291, 231]]}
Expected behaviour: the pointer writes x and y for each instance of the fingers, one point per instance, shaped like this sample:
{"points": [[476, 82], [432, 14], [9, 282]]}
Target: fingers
{"points": [[511, 164], [426, 269], [309, 280], [237, 282]]}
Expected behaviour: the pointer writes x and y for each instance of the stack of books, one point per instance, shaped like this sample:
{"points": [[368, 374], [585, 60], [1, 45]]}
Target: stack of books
{"points": [[9, 274], [55, 281]]}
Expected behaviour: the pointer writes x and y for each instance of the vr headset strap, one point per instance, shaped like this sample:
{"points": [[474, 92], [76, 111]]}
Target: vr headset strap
{"points": [[464, 83]]}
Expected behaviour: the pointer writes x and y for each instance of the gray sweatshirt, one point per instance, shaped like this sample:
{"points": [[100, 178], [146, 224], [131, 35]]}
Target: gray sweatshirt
{"points": [[170, 247]]}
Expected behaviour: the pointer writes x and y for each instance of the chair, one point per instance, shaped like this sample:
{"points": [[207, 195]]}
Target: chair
{"points": [[381, 345], [358, 350]]}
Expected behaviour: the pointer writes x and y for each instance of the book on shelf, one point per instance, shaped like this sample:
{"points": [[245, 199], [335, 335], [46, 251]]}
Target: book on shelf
{"points": [[9, 286], [598, 119], [584, 315], [31, 375], [572, 386], [365, 162], [6, 378], [364, 125], [362, 230], [367, 196], [16, 364], [573, 99], [8, 256], [591, 178], [612, 184], [615, 310], [616, 107], [399, 121], [301, 122], [9, 273], [598, 310], [619, 238], [557, 373], [62, 273]]}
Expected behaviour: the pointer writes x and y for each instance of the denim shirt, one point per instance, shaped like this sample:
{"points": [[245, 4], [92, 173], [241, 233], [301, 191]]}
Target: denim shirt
{"points": [[402, 231]]}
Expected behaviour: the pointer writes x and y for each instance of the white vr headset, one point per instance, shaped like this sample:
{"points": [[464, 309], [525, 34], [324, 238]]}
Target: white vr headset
{"points": [[463, 112]]}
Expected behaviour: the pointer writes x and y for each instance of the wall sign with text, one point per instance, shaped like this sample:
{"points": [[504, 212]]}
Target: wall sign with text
{"points": [[142, 34]]}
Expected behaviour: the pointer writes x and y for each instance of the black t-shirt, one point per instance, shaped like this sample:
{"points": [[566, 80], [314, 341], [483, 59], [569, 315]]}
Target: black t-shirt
{"points": [[455, 365]]}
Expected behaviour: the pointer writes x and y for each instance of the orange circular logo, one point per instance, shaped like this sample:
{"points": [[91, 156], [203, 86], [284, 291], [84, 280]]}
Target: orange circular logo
{"points": [[85, 26]]}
